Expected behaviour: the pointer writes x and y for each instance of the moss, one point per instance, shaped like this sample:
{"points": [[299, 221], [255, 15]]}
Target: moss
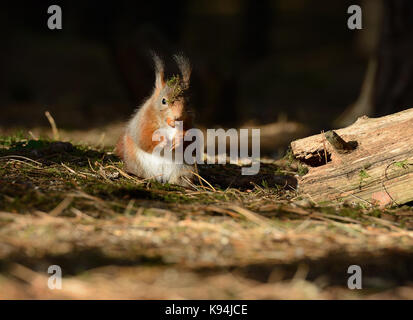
{"points": [[30, 201], [363, 174], [350, 213], [128, 190], [7, 141], [375, 213], [175, 83], [402, 164], [302, 170], [356, 213], [289, 156]]}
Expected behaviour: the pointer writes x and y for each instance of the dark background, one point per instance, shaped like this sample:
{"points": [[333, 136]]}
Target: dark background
{"points": [[253, 61]]}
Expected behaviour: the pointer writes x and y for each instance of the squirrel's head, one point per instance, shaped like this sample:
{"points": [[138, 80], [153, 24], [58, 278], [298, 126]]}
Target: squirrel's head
{"points": [[170, 94]]}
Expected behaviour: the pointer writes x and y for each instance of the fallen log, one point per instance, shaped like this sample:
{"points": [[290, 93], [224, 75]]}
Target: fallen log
{"points": [[369, 162]]}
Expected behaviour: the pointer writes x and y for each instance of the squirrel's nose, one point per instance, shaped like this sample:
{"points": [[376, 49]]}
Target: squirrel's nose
{"points": [[177, 110]]}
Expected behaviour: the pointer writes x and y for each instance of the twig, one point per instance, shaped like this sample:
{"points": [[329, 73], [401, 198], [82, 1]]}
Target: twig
{"points": [[324, 145]]}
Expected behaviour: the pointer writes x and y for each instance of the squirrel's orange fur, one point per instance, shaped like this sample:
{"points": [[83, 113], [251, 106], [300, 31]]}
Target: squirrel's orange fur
{"points": [[166, 105]]}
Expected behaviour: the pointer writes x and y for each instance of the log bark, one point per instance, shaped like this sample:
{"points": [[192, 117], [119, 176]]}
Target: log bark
{"points": [[378, 170]]}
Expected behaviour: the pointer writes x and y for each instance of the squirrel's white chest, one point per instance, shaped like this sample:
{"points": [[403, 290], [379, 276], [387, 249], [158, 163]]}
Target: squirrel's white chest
{"points": [[162, 169], [169, 133]]}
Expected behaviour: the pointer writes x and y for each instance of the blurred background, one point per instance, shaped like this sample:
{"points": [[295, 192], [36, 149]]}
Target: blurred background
{"points": [[291, 67]]}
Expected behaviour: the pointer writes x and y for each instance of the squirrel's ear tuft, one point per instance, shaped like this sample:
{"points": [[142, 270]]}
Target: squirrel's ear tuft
{"points": [[159, 71], [184, 67]]}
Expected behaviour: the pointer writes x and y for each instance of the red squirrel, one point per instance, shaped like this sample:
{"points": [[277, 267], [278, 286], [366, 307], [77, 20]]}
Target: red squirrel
{"points": [[158, 113]]}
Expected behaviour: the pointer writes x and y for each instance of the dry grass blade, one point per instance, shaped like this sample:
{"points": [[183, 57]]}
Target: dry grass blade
{"points": [[61, 207], [352, 229], [100, 143], [356, 197], [73, 171], [222, 210], [90, 166], [81, 194], [129, 207], [199, 179], [55, 132], [25, 274], [252, 216], [190, 183], [80, 214], [212, 188], [125, 175], [391, 226], [14, 157], [284, 208], [334, 217], [34, 137], [102, 173], [103, 206], [23, 162]]}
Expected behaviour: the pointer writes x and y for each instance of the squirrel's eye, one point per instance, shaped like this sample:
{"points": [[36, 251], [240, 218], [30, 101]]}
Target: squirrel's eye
{"points": [[164, 101]]}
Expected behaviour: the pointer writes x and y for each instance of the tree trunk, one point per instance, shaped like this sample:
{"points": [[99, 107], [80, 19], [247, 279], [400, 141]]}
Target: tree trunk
{"points": [[394, 79], [388, 83]]}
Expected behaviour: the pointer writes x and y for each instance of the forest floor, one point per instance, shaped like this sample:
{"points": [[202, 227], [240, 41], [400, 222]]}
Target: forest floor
{"points": [[230, 237]]}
